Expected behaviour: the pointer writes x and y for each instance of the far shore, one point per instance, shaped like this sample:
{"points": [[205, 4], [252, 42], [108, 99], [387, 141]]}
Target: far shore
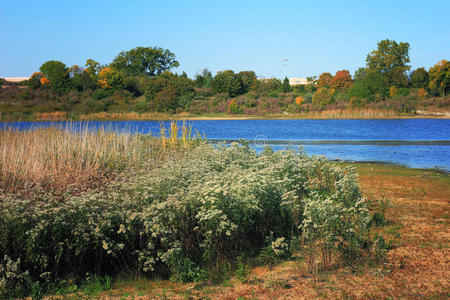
{"points": [[134, 116]]}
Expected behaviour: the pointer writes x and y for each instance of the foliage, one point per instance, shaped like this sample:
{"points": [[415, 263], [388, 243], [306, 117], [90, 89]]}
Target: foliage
{"points": [[392, 91], [248, 81], [92, 66], [169, 92], [286, 86], [233, 107], [204, 80], [35, 80], [368, 86], [324, 80], [110, 78], [359, 73], [323, 97], [341, 80], [145, 60], [57, 73], [419, 78], [390, 59], [422, 93], [137, 84], [440, 78], [299, 100], [227, 82], [270, 85]]}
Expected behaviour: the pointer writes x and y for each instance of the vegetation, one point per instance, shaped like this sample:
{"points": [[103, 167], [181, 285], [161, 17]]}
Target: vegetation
{"points": [[172, 207], [140, 81], [413, 204]]}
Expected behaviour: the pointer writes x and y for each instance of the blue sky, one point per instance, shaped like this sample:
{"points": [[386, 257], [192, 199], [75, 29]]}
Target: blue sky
{"points": [[315, 36]]}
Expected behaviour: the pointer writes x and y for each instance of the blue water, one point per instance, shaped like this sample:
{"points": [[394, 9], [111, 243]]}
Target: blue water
{"points": [[422, 143]]}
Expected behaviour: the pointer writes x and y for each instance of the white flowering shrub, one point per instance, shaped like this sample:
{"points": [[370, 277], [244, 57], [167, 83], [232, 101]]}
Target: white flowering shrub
{"points": [[205, 208]]}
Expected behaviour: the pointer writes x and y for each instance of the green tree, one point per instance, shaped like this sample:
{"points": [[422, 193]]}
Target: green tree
{"points": [[227, 82], [93, 66], [390, 59], [56, 72], [145, 60], [286, 86], [419, 78], [323, 97], [248, 81], [361, 72], [84, 81], [204, 79], [368, 86], [168, 92]]}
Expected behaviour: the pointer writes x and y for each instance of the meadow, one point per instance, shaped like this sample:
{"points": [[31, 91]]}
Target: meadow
{"points": [[82, 209]]}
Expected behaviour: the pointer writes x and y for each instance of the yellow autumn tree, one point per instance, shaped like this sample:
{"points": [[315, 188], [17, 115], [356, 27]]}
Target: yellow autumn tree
{"points": [[392, 91], [440, 78]]}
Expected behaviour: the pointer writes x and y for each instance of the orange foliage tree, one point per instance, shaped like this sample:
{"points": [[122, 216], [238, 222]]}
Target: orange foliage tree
{"points": [[324, 80], [110, 78], [299, 100], [422, 93], [44, 81], [341, 80], [35, 80]]}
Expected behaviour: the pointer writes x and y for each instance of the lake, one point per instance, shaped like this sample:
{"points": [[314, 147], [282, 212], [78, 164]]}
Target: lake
{"points": [[421, 143]]}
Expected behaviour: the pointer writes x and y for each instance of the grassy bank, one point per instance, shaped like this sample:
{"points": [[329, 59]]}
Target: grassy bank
{"points": [[129, 215]]}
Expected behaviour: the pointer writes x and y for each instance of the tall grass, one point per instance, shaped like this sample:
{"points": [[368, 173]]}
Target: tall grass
{"points": [[177, 137], [59, 160], [70, 159]]}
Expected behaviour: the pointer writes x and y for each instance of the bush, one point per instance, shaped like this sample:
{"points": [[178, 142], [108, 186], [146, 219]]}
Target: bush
{"points": [[191, 214]]}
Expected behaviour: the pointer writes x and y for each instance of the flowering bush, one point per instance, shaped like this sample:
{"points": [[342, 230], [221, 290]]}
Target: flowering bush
{"points": [[201, 210]]}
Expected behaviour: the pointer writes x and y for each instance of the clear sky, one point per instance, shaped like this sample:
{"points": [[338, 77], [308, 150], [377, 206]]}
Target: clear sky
{"points": [[315, 36]]}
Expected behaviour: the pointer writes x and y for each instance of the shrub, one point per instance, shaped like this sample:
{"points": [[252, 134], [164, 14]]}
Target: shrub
{"points": [[323, 97], [191, 214]]}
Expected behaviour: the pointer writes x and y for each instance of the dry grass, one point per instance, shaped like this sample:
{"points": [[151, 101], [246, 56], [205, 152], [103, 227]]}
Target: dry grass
{"points": [[60, 160], [417, 267], [51, 116], [74, 160], [122, 116]]}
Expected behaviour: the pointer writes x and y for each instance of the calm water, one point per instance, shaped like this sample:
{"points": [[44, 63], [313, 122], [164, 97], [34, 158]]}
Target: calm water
{"points": [[423, 143]]}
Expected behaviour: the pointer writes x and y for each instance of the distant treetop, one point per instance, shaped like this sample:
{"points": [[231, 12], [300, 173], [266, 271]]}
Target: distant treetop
{"points": [[145, 60]]}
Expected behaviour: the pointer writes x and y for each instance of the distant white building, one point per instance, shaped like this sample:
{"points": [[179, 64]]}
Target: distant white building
{"points": [[298, 81]]}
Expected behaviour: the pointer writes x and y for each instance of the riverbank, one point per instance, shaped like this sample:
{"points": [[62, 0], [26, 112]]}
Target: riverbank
{"points": [[416, 210], [134, 116]]}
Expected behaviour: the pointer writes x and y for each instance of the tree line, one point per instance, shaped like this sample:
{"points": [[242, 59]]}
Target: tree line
{"points": [[143, 77]]}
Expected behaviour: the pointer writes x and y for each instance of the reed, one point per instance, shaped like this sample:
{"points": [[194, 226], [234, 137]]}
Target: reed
{"points": [[76, 158], [60, 160], [180, 137]]}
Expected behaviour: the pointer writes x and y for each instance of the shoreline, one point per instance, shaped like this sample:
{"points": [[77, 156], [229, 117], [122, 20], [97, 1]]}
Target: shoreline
{"points": [[232, 118], [344, 114]]}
